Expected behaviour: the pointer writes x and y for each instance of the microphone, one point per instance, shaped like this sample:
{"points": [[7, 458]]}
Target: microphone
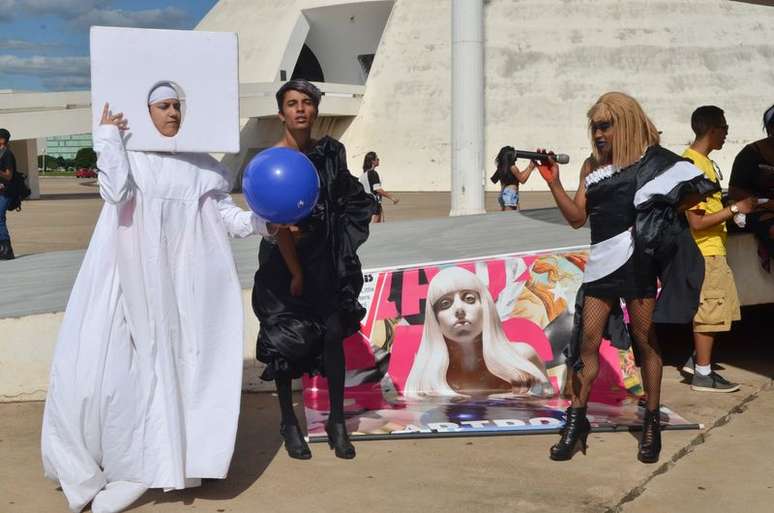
{"points": [[560, 158]]}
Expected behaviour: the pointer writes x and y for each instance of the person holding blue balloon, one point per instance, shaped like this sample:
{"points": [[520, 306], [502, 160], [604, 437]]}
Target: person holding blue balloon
{"points": [[308, 282]]}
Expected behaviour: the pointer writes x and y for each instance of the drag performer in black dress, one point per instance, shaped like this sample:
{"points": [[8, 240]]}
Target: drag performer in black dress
{"points": [[308, 282], [632, 191]]}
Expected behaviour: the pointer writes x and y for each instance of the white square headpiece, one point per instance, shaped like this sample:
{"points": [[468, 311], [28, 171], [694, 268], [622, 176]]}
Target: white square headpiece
{"points": [[126, 63]]}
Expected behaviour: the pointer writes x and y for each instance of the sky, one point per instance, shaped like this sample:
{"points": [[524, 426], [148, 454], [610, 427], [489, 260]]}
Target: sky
{"points": [[44, 44]]}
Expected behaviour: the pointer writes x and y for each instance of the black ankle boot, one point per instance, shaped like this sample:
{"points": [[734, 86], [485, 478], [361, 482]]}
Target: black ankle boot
{"points": [[650, 442], [338, 439], [574, 434], [6, 251], [294, 442]]}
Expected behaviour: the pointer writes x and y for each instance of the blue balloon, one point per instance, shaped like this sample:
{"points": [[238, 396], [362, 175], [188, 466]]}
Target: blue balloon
{"points": [[281, 185]]}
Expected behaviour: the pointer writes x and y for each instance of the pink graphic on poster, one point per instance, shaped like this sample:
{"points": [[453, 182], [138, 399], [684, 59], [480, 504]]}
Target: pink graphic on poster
{"points": [[473, 347]]}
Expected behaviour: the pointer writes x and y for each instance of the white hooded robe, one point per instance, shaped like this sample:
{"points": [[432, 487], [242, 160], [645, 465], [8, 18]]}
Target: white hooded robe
{"points": [[147, 371]]}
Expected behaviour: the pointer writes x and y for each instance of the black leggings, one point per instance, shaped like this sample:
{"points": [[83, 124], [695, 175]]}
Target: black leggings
{"points": [[333, 363], [595, 314]]}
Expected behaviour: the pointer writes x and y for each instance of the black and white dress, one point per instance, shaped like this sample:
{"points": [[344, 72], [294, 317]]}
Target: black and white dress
{"points": [[640, 240]]}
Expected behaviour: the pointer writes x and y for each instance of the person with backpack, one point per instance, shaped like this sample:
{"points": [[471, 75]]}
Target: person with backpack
{"points": [[7, 196]]}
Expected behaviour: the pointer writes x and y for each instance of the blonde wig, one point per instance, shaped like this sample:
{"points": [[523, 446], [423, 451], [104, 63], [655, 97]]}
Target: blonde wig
{"points": [[633, 131], [428, 372]]}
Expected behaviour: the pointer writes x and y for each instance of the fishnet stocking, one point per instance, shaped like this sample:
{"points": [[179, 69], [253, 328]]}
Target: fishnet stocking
{"points": [[644, 335], [595, 314]]}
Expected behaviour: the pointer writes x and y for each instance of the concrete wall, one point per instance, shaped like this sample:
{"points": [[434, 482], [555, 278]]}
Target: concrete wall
{"points": [[546, 63], [338, 34], [266, 28]]}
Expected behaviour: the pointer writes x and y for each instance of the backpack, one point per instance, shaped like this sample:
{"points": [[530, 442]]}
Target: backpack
{"points": [[17, 191]]}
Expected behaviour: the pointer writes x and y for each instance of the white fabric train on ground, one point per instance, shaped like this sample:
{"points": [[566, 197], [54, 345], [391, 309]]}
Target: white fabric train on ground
{"points": [[146, 375], [609, 255]]}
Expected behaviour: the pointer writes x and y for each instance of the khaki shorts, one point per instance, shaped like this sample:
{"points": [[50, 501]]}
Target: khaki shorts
{"points": [[719, 303]]}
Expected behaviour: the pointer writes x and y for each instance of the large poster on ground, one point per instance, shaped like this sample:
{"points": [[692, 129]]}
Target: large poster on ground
{"points": [[473, 347]]}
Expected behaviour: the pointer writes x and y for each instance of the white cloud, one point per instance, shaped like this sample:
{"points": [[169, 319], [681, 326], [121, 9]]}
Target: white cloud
{"points": [[19, 45], [55, 73], [65, 8], [168, 17], [67, 83], [6, 10], [44, 66], [83, 13], [60, 73]]}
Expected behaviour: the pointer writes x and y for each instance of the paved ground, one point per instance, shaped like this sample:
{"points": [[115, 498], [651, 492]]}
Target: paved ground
{"points": [[726, 467]]}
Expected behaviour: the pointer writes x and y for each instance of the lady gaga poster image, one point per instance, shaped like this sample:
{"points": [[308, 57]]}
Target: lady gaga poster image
{"points": [[473, 347]]}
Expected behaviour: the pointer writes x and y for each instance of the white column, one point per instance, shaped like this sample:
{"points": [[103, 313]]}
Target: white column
{"points": [[467, 144]]}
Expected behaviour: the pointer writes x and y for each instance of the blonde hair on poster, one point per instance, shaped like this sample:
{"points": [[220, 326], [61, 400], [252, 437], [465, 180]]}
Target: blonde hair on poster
{"points": [[502, 357]]}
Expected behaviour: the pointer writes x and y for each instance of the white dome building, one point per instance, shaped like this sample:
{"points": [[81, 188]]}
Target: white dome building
{"points": [[546, 62]]}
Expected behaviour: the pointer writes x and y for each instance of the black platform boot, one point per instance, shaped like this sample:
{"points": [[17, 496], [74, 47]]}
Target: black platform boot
{"points": [[650, 442], [574, 434], [294, 442], [6, 251], [338, 439]]}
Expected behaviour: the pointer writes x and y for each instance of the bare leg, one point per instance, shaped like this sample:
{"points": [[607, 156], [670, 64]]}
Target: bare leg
{"points": [[703, 343]]}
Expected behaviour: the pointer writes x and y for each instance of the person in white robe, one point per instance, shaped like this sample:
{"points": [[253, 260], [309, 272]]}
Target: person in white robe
{"points": [[146, 376]]}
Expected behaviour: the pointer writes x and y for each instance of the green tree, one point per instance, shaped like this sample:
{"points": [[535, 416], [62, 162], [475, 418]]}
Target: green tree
{"points": [[51, 163], [86, 157]]}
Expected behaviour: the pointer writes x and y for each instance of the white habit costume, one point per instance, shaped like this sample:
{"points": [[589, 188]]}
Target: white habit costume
{"points": [[147, 371]]}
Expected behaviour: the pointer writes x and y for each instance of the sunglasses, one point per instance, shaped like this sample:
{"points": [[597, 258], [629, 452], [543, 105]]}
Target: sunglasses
{"points": [[602, 125]]}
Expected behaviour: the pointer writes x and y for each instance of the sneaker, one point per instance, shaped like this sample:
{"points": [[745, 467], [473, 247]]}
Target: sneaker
{"points": [[688, 367], [712, 383]]}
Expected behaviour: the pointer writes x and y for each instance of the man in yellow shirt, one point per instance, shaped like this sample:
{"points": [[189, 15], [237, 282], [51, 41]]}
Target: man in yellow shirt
{"points": [[719, 304]]}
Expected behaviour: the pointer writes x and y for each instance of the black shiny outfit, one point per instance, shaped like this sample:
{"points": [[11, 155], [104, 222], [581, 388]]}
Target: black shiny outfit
{"points": [[304, 334]]}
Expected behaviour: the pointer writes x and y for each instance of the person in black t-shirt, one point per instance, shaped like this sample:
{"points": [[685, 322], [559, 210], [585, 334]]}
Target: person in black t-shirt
{"points": [[753, 175], [7, 169], [372, 183], [509, 176]]}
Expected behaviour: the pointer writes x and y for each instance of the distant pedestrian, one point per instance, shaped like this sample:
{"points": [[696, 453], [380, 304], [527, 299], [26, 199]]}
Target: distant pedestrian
{"points": [[509, 176], [372, 183], [7, 171]]}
